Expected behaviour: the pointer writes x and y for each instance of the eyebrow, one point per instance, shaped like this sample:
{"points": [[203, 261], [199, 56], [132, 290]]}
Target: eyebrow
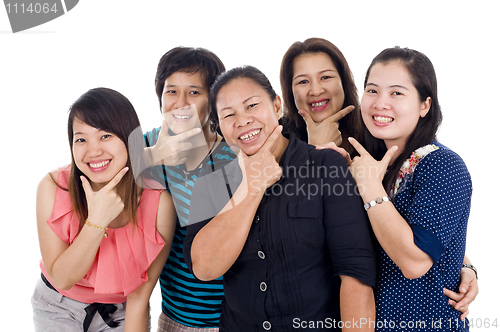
{"points": [[320, 72], [191, 86], [391, 86], [244, 102]]}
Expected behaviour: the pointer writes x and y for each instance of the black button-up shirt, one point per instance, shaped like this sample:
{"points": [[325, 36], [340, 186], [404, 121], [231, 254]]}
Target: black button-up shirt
{"points": [[310, 228]]}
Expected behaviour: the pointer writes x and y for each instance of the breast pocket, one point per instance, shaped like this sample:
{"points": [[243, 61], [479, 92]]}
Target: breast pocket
{"points": [[307, 219]]}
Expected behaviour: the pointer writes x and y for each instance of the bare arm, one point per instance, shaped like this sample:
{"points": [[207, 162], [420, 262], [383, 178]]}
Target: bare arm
{"points": [[391, 229], [137, 313], [219, 243], [396, 237], [357, 305], [67, 264]]}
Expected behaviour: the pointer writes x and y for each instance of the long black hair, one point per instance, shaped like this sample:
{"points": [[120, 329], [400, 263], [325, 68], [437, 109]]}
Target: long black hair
{"points": [[110, 111], [423, 77], [348, 125]]}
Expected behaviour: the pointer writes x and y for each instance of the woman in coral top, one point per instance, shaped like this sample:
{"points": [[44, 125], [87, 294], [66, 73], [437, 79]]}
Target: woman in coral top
{"points": [[103, 238]]}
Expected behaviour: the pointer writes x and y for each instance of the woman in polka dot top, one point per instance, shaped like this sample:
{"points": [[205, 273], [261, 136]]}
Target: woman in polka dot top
{"points": [[417, 194]]}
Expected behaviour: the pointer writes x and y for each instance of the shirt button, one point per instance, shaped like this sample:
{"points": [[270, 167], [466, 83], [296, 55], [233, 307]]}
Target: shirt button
{"points": [[261, 254], [266, 325], [263, 286], [257, 219]]}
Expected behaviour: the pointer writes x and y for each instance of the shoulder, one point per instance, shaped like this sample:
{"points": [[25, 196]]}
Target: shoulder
{"points": [[444, 171], [223, 152], [221, 157], [166, 217], [328, 157], [46, 194], [152, 136], [48, 184], [165, 198], [443, 160]]}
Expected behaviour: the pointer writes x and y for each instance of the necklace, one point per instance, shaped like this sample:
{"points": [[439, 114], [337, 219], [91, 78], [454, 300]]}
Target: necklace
{"points": [[197, 169]]}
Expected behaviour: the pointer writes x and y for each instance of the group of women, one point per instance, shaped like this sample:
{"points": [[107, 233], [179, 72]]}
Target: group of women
{"points": [[363, 228]]}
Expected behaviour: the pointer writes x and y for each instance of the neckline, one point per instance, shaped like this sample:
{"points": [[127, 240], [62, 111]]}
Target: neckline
{"points": [[198, 168]]}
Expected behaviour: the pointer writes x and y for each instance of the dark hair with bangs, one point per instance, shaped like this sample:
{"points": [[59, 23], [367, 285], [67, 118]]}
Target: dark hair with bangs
{"points": [[349, 125], [423, 77], [189, 60], [110, 111], [248, 72]]}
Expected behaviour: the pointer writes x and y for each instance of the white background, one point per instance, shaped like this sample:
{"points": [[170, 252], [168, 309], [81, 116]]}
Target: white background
{"points": [[117, 44]]}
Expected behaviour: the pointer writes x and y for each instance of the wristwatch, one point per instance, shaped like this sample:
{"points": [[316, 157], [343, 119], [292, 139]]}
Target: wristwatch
{"points": [[472, 267]]}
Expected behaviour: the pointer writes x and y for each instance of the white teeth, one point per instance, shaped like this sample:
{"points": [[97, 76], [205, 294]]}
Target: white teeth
{"points": [[249, 136], [98, 165], [383, 119], [321, 103], [183, 117]]}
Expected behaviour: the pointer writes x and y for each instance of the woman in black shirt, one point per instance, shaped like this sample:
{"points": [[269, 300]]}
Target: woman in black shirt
{"points": [[293, 241]]}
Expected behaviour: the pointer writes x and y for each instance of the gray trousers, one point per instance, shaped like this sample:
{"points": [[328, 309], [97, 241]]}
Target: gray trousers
{"points": [[55, 312]]}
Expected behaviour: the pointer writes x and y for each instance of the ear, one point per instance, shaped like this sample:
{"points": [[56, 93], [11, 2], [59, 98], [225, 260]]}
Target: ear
{"points": [[278, 106], [426, 106]]}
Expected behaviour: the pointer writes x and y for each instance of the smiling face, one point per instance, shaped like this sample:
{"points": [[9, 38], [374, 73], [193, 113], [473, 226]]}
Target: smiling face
{"points": [[317, 86], [247, 115], [185, 102], [98, 154], [391, 106]]}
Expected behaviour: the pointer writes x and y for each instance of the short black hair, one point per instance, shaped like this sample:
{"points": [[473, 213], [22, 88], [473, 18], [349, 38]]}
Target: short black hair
{"points": [[188, 60]]}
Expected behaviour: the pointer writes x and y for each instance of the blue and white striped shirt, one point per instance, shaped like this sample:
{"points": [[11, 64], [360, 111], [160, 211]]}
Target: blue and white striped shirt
{"points": [[185, 299]]}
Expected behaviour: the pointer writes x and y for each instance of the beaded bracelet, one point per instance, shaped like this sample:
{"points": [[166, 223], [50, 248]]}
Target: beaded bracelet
{"points": [[378, 200], [105, 229]]}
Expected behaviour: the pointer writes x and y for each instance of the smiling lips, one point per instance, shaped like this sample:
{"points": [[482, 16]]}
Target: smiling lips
{"points": [[249, 135], [182, 117], [319, 105], [382, 120], [100, 166]]}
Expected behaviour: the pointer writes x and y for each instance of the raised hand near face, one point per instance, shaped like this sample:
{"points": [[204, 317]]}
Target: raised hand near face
{"points": [[365, 169], [261, 169], [327, 130], [172, 150], [103, 205]]}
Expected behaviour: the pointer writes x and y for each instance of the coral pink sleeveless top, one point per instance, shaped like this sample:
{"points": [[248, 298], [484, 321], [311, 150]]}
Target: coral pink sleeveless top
{"points": [[123, 258]]}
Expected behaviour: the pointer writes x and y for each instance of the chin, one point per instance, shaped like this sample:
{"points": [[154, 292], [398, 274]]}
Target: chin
{"points": [[250, 150], [179, 129], [320, 116]]}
